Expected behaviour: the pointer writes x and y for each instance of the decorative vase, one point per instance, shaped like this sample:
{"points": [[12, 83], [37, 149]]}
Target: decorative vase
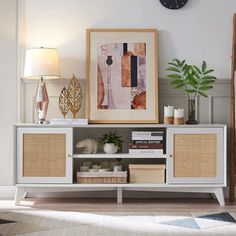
{"points": [[191, 112], [110, 148], [41, 102]]}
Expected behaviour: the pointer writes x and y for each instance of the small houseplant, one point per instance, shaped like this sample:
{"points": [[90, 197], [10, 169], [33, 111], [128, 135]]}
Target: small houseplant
{"points": [[111, 142], [194, 80]]}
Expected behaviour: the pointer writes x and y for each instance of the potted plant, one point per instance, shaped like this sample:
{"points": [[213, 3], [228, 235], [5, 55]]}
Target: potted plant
{"points": [[194, 80], [111, 142]]}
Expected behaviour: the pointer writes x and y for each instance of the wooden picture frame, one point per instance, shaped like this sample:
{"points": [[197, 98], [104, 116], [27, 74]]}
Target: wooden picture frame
{"points": [[122, 78]]}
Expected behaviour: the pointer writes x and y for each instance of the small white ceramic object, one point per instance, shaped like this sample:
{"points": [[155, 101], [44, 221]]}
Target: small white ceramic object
{"points": [[96, 167], [168, 115], [117, 168], [84, 168], [110, 148], [179, 113], [103, 170], [88, 145], [168, 111], [179, 116]]}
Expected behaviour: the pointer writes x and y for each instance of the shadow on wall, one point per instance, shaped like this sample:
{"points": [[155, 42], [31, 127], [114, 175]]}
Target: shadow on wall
{"points": [[165, 36]]}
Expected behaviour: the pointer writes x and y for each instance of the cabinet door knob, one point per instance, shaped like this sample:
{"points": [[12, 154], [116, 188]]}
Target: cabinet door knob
{"points": [[171, 155]]}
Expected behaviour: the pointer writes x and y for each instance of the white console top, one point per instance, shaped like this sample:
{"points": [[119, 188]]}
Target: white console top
{"points": [[33, 125]]}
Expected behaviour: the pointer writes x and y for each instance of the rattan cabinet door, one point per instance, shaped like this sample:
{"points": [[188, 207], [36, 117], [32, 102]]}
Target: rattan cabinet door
{"points": [[196, 155], [42, 155]]}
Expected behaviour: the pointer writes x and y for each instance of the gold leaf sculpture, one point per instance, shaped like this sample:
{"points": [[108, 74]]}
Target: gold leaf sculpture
{"points": [[64, 102], [74, 95]]}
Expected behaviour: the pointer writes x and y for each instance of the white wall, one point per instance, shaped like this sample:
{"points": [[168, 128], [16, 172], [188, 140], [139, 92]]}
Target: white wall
{"points": [[8, 87], [201, 30]]}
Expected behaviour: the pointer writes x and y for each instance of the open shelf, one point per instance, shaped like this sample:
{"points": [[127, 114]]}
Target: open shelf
{"points": [[118, 155]]}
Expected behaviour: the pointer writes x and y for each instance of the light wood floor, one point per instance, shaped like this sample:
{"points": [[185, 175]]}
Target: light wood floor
{"points": [[88, 217], [129, 205]]}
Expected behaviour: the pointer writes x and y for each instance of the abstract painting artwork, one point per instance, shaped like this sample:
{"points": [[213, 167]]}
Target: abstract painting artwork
{"points": [[122, 76]]}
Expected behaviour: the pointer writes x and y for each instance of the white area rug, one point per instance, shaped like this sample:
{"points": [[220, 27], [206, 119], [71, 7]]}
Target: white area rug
{"points": [[72, 217], [49, 222]]}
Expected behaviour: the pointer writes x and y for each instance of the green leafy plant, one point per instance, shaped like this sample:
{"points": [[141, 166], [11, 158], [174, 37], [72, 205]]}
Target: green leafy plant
{"points": [[111, 137], [194, 80]]}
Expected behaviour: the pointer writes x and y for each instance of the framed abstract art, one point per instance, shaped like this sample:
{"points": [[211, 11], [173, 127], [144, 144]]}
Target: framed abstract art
{"points": [[121, 84]]}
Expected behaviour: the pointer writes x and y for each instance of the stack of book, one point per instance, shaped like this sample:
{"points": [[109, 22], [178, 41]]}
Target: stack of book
{"points": [[146, 142]]}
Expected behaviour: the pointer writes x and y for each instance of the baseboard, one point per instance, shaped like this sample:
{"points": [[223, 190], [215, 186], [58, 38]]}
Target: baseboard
{"points": [[7, 192]]}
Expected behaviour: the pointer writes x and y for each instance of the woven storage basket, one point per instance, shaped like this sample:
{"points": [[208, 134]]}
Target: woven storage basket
{"points": [[142, 173], [102, 177]]}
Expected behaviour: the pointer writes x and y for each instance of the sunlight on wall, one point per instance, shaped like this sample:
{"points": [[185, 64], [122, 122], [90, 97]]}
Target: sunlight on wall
{"points": [[186, 33]]}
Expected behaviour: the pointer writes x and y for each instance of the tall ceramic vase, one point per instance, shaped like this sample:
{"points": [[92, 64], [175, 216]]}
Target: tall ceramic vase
{"points": [[191, 112]]}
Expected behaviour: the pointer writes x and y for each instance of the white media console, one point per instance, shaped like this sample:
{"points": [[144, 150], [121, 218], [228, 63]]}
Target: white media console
{"points": [[195, 158]]}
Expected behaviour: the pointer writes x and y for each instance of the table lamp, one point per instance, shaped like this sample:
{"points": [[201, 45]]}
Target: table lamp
{"points": [[41, 63]]}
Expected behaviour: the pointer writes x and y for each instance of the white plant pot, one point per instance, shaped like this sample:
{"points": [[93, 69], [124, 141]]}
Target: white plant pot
{"points": [[110, 148]]}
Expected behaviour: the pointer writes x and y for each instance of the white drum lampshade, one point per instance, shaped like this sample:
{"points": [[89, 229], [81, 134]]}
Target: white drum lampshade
{"points": [[41, 63]]}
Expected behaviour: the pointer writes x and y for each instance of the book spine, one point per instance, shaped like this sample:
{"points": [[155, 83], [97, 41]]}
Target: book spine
{"points": [[146, 146], [151, 133], [146, 151], [148, 137], [147, 142]]}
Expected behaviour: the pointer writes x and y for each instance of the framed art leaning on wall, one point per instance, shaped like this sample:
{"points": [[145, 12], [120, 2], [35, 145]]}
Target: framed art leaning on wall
{"points": [[122, 76]]}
